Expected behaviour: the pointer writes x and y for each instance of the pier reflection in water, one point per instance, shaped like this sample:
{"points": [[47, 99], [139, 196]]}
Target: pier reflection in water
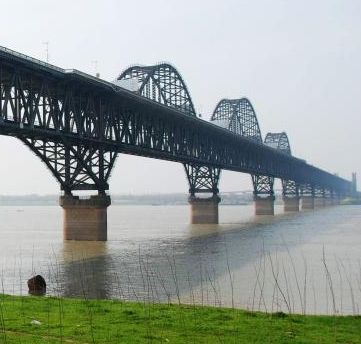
{"points": [[266, 263]]}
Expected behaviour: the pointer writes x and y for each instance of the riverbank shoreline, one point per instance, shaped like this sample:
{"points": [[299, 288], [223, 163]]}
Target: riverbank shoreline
{"points": [[29, 319]]}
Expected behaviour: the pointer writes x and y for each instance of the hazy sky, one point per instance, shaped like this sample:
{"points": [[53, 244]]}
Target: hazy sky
{"points": [[299, 62]]}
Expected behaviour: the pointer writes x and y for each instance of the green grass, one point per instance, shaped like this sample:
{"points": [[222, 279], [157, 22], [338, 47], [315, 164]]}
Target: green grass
{"points": [[98, 321]]}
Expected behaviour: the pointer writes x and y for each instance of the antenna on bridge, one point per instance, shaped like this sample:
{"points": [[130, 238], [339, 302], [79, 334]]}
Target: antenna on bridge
{"points": [[95, 63], [47, 50]]}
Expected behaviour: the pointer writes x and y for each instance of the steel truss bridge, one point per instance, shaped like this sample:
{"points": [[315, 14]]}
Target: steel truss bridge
{"points": [[77, 124]]}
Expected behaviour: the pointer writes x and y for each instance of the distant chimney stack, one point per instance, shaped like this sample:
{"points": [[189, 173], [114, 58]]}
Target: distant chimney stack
{"points": [[354, 183]]}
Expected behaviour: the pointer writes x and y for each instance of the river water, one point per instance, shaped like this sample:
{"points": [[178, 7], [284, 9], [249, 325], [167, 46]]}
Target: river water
{"points": [[309, 262]]}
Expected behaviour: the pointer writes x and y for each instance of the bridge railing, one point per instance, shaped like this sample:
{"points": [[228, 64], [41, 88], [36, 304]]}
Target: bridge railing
{"points": [[30, 59]]}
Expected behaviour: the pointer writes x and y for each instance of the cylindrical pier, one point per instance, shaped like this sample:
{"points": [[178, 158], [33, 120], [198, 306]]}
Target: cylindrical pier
{"points": [[204, 210], [308, 202], [85, 219], [291, 204], [264, 206]]}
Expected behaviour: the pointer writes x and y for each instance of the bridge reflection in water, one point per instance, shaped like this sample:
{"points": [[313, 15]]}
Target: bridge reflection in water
{"points": [[199, 268], [147, 257], [77, 124]]}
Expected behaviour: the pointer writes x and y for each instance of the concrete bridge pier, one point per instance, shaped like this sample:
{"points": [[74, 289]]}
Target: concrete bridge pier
{"points": [[264, 205], [204, 210], [85, 219], [291, 204], [307, 202]]}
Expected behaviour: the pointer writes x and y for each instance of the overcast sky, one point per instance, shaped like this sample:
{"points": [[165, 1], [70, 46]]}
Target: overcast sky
{"points": [[299, 62]]}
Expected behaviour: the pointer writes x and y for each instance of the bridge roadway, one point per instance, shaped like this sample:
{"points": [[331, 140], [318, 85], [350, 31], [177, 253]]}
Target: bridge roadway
{"points": [[77, 124]]}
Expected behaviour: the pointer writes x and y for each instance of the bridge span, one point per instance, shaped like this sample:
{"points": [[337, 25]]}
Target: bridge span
{"points": [[77, 124]]}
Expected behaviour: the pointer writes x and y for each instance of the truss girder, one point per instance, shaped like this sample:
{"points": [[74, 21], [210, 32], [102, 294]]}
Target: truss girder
{"points": [[307, 190], [202, 179], [41, 104], [76, 167], [262, 186], [318, 191], [290, 188]]}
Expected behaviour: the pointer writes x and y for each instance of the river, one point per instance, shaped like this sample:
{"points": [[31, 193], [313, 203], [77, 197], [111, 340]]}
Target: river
{"points": [[308, 262]]}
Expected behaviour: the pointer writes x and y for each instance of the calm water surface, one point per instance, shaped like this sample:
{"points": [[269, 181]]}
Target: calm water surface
{"points": [[306, 262]]}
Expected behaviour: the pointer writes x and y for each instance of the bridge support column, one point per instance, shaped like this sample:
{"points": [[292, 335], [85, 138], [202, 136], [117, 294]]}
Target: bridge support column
{"points": [[320, 202], [291, 195], [203, 180], [264, 206], [307, 197], [204, 210], [330, 198], [308, 202], [291, 204], [263, 195], [85, 219]]}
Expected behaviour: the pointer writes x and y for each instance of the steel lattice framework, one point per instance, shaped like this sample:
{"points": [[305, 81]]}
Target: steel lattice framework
{"points": [[202, 179], [161, 83], [278, 141], [281, 142], [77, 124], [238, 116]]}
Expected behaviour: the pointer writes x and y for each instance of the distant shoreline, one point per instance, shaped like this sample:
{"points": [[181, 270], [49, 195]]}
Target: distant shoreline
{"points": [[231, 198], [228, 198]]}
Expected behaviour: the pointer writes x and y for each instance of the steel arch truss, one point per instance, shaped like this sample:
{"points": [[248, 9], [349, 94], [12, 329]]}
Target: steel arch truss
{"points": [[278, 141], [238, 116], [76, 167], [202, 179], [161, 83]]}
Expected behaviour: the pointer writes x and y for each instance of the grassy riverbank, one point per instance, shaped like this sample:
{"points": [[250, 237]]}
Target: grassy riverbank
{"points": [[50, 320]]}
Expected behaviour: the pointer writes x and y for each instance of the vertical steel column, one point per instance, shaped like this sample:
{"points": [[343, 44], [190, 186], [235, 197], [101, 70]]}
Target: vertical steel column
{"points": [[203, 180], [291, 196], [320, 196], [307, 196], [263, 194]]}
